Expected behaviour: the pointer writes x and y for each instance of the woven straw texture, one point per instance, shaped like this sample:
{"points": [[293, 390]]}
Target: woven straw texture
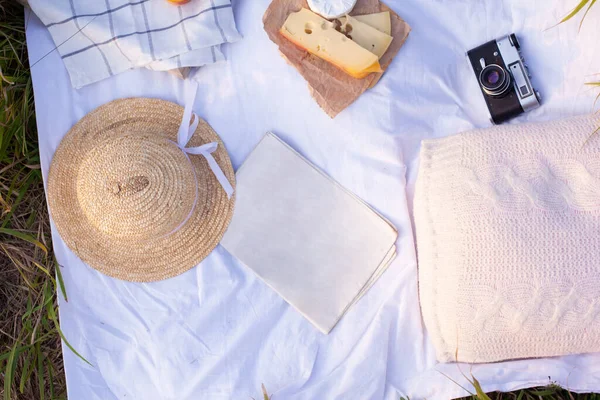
{"points": [[128, 201], [508, 236]]}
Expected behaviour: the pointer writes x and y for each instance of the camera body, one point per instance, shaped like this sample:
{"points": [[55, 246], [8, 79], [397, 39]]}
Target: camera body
{"points": [[503, 78]]}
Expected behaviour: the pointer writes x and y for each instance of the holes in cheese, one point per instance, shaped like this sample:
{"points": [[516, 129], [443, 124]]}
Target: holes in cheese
{"points": [[366, 36], [308, 27], [319, 37]]}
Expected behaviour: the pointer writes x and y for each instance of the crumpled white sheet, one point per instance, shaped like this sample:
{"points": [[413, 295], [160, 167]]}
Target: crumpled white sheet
{"points": [[218, 332]]}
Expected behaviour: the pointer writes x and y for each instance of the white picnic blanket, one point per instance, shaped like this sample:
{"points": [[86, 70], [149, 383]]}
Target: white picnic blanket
{"points": [[97, 39], [217, 332]]}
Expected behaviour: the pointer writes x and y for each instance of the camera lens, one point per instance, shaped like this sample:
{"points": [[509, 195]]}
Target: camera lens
{"points": [[494, 80], [492, 77]]}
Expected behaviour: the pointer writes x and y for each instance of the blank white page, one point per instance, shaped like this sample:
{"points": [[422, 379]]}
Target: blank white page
{"points": [[307, 237]]}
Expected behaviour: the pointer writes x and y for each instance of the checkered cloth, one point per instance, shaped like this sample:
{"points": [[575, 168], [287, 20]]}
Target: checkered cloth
{"points": [[100, 38]]}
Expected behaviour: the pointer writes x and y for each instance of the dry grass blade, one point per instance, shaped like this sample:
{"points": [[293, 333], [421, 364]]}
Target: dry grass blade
{"points": [[457, 384], [65, 41], [265, 394], [54, 318], [575, 11], [481, 395], [596, 100], [578, 8], [25, 237], [586, 13]]}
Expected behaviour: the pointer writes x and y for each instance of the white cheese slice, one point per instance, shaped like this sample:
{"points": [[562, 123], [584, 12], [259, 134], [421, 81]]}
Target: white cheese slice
{"points": [[366, 36], [331, 8], [380, 21], [319, 37]]}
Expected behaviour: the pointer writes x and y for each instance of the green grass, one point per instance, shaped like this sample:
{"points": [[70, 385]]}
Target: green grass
{"points": [[551, 392], [542, 393], [30, 353]]}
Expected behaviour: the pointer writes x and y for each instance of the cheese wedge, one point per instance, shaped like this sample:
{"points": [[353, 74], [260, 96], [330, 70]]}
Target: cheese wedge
{"points": [[380, 21], [319, 37], [366, 36]]}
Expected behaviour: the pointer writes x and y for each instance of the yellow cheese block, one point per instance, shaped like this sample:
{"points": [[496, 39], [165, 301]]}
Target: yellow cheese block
{"points": [[380, 21], [319, 37], [366, 36]]}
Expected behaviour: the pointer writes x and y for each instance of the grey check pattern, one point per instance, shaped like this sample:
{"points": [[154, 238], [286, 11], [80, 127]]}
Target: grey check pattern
{"points": [[106, 37]]}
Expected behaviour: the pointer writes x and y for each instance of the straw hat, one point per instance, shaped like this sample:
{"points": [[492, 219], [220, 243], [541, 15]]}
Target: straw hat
{"points": [[128, 201]]}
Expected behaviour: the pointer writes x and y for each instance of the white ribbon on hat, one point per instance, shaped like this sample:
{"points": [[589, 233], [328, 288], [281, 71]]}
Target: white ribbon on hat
{"points": [[186, 131]]}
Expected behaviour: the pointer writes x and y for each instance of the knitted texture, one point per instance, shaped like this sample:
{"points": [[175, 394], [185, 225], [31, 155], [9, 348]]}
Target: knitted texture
{"points": [[508, 237]]}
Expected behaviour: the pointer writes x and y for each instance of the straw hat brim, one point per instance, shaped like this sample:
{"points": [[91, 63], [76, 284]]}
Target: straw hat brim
{"points": [[155, 257]]}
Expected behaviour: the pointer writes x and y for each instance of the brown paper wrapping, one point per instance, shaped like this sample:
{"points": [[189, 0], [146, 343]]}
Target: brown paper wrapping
{"points": [[332, 88]]}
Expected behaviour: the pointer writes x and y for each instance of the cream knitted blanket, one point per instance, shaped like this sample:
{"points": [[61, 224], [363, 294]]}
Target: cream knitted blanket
{"points": [[508, 237]]}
